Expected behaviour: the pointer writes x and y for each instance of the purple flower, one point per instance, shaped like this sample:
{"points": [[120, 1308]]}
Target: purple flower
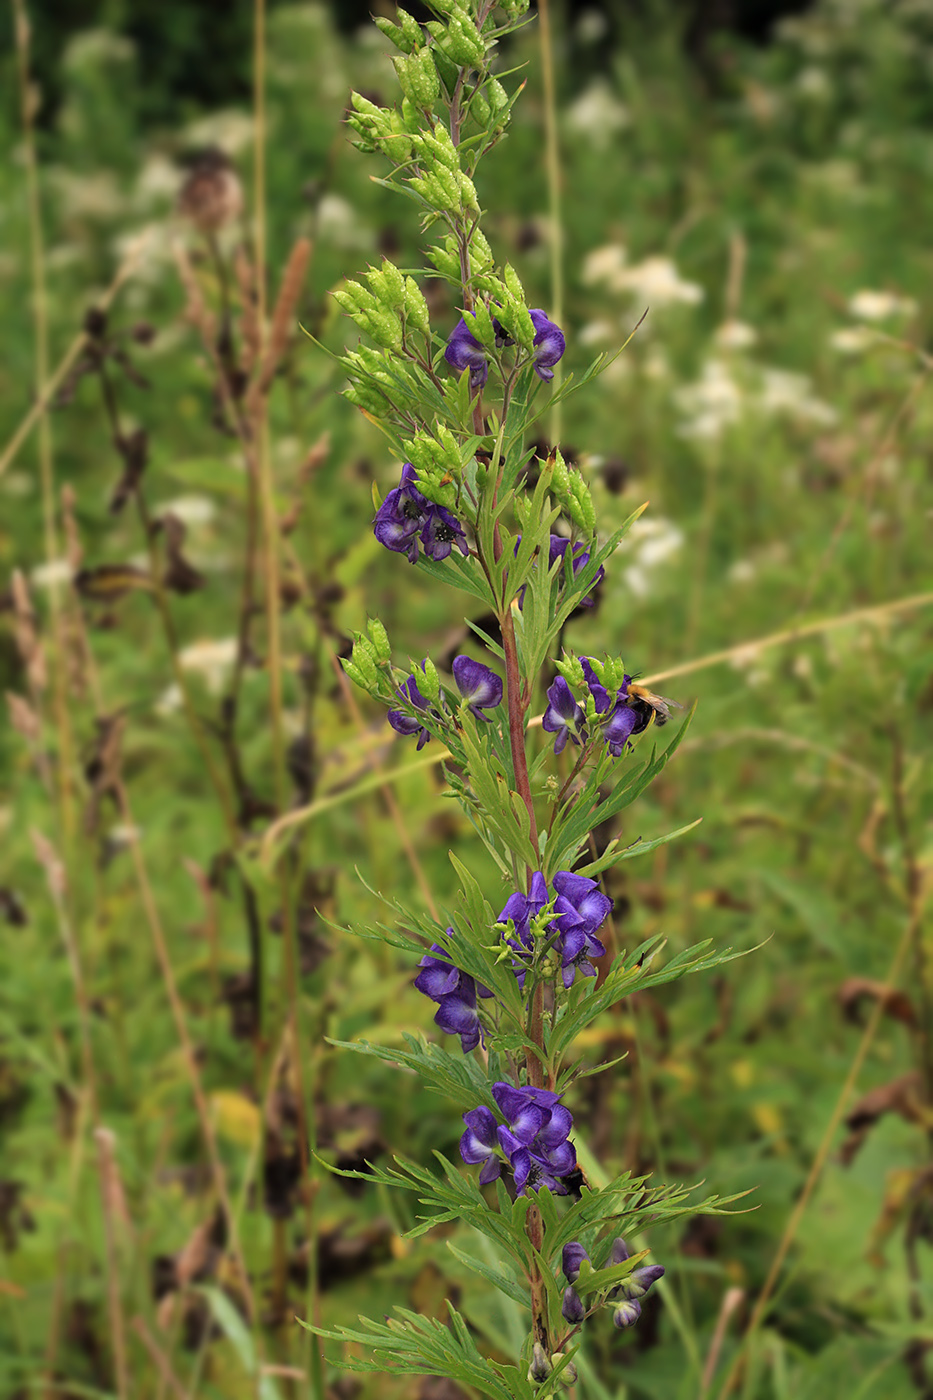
{"points": [[455, 993], [479, 1143], [572, 1309], [563, 716], [622, 724], [402, 515], [457, 1015], [406, 517], [521, 908], [404, 723], [465, 352], [571, 1258], [440, 532], [478, 685], [627, 1314], [583, 909], [601, 696], [640, 1280], [549, 344], [557, 549]]}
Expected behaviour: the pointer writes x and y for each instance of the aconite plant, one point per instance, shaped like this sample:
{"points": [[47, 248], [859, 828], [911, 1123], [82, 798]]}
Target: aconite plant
{"points": [[519, 970]]}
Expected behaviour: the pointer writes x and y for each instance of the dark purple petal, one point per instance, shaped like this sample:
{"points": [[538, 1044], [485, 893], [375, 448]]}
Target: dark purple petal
{"points": [[440, 531], [586, 897], [524, 1117], [627, 1314], [572, 1256], [402, 723], [465, 352], [479, 1141], [521, 1168], [563, 716], [439, 977], [401, 516], [555, 1131], [598, 691], [560, 1160], [619, 1252], [623, 723], [572, 1309], [478, 685], [548, 342], [638, 1282], [491, 1170]]}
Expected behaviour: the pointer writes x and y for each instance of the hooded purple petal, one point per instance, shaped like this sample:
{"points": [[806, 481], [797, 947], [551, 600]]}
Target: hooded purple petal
{"points": [[572, 1256], [548, 342], [478, 685], [465, 352]]}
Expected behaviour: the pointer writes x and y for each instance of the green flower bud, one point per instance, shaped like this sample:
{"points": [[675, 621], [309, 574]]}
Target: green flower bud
{"points": [[440, 145], [540, 1367], [580, 505], [481, 259], [393, 33], [384, 327], [364, 660], [417, 76], [572, 672], [516, 290], [380, 640], [410, 28], [463, 43], [445, 260], [354, 674], [428, 682], [482, 326], [416, 308], [393, 285], [498, 97], [468, 191], [560, 477], [369, 399], [480, 109]]}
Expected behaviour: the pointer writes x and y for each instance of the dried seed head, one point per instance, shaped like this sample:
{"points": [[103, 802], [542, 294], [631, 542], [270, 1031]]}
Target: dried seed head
{"points": [[211, 196]]}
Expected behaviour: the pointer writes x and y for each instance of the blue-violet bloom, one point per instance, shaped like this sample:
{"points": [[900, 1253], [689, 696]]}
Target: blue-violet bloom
{"points": [[402, 515], [548, 342], [563, 716], [479, 1143], [404, 723], [478, 685], [440, 532], [465, 352]]}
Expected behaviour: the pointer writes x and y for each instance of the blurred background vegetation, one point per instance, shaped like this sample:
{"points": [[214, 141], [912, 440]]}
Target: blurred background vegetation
{"points": [[760, 179]]}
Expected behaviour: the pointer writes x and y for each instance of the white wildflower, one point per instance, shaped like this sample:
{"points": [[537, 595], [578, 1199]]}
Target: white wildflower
{"points": [[742, 571], [158, 182], [87, 196], [853, 340], [591, 27], [211, 659], [735, 335], [340, 224], [52, 574], [880, 306], [192, 510], [602, 264], [657, 283], [230, 130], [813, 82], [598, 114], [169, 702], [783, 391], [650, 542], [710, 404], [597, 333]]}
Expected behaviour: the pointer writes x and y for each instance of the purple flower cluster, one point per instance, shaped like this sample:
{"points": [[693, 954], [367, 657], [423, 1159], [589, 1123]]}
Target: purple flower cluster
{"points": [[455, 993], [532, 1141], [630, 1292], [618, 721], [480, 687], [557, 549], [406, 517], [579, 908], [464, 351]]}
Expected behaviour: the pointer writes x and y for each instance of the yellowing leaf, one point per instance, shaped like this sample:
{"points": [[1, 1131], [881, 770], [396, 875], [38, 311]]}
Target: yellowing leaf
{"points": [[235, 1117]]}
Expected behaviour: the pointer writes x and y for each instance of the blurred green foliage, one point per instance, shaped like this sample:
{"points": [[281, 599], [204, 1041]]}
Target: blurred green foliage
{"points": [[778, 419]]}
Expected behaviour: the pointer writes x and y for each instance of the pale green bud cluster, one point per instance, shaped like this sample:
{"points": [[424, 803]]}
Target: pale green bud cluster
{"points": [[418, 78], [380, 129], [379, 320], [572, 494], [459, 39], [438, 464], [429, 682], [572, 672], [371, 655], [391, 303], [407, 35], [447, 260]]}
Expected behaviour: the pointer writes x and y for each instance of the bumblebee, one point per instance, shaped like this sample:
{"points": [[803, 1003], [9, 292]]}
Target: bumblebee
{"points": [[649, 707]]}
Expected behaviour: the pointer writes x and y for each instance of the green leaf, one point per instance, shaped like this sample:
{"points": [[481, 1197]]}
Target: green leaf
{"points": [[501, 1278], [237, 1332]]}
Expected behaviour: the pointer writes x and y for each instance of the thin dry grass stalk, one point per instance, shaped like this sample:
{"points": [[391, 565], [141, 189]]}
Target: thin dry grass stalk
{"points": [[277, 343]]}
